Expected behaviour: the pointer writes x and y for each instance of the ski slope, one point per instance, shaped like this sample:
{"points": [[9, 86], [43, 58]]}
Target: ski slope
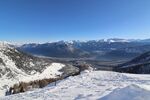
{"points": [[94, 85]]}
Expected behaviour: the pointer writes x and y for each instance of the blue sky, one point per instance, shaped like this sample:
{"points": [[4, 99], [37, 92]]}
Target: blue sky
{"points": [[52, 20]]}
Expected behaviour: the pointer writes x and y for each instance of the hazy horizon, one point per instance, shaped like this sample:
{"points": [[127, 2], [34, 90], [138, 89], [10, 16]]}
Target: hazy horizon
{"points": [[41, 42]]}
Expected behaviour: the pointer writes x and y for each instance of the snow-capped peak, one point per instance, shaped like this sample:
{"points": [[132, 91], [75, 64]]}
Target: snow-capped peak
{"points": [[4, 43], [117, 40]]}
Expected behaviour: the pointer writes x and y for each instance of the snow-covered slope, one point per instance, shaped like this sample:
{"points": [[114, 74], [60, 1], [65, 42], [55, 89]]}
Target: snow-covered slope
{"points": [[132, 92], [93, 85], [16, 66]]}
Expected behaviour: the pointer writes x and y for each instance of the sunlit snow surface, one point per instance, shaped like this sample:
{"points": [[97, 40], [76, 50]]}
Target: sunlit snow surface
{"points": [[51, 71], [10, 74], [132, 92], [95, 85]]}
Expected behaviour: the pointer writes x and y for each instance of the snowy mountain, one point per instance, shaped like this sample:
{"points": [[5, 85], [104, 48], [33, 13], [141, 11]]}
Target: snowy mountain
{"points": [[119, 40], [95, 85], [16, 66], [98, 49], [56, 49], [146, 40]]}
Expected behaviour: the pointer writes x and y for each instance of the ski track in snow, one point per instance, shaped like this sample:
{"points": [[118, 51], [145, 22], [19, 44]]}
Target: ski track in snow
{"points": [[94, 85]]}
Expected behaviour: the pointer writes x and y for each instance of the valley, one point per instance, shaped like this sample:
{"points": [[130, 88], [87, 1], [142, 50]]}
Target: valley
{"points": [[74, 50], [22, 67]]}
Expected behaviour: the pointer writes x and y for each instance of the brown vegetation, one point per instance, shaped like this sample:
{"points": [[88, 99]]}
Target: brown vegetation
{"points": [[27, 86]]}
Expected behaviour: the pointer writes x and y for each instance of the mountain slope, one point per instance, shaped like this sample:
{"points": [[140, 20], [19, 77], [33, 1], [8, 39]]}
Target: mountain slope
{"points": [[90, 86], [16, 66], [140, 64], [56, 49]]}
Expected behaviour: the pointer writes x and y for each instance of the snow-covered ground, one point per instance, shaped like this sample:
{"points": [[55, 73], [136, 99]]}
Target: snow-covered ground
{"points": [[95, 85], [132, 92], [51, 71]]}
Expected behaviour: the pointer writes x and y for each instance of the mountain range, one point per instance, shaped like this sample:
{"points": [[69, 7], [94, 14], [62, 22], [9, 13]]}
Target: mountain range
{"points": [[18, 63], [95, 49]]}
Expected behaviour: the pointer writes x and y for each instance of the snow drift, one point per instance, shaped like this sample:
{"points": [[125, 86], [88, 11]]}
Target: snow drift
{"points": [[132, 92]]}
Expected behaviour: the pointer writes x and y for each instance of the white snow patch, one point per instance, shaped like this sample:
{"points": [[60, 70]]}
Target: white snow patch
{"points": [[51, 71]]}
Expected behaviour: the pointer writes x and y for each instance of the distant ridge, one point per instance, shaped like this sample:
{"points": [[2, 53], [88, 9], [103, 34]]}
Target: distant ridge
{"points": [[96, 49]]}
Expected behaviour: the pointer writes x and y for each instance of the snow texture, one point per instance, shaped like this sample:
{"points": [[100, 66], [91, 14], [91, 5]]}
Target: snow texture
{"points": [[10, 74], [51, 71], [132, 92], [93, 85]]}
